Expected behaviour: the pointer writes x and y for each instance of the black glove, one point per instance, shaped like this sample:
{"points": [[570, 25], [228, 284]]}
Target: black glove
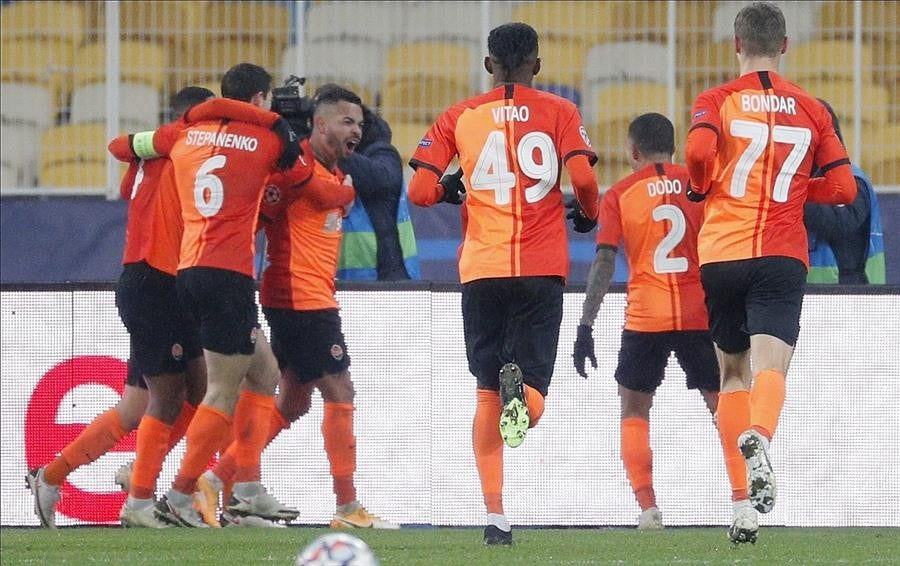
{"points": [[580, 222], [584, 349], [454, 189], [289, 142], [693, 195]]}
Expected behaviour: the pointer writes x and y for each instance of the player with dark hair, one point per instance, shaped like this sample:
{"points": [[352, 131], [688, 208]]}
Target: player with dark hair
{"points": [[649, 213], [846, 243], [513, 262], [165, 347], [298, 297], [221, 164], [751, 148]]}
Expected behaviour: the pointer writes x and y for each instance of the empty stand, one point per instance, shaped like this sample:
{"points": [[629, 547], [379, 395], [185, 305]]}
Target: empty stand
{"points": [[428, 21], [381, 22], [73, 155], [562, 67], [141, 62], [139, 106], [586, 21], [355, 64], [881, 155], [26, 110], [874, 108], [827, 59], [641, 21], [406, 137]]}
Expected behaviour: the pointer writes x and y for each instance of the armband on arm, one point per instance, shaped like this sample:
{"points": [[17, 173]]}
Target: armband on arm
{"points": [[142, 145]]}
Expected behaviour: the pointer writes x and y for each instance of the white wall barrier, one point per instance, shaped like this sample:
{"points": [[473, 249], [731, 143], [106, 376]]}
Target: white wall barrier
{"points": [[837, 453]]}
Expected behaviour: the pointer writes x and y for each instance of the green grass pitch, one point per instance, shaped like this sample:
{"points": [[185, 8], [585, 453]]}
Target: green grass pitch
{"points": [[448, 547]]}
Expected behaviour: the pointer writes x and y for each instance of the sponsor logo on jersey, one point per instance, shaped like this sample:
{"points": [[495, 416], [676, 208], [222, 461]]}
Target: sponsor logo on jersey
{"points": [[425, 142], [584, 135]]}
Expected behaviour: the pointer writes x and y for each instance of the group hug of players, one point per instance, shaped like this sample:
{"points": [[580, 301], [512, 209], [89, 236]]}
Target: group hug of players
{"points": [[716, 250]]}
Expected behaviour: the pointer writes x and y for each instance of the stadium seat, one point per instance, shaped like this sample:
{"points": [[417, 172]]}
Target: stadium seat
{"points": [[90, 174], [141, 62], [587, 21], [57, 23], [839, 94], [562, 66], [801, 20], [356, 64], [427, 21], [139, 106], [881, 155], [406, 137], [626, 61], [642, 21], [423, 78], [24, 103], [20, 145], [250, 20], [382, 22], [617, 105], [880, 20], [705, 65], [9, 177], [827, 59], [210, 61], [37, 62], [73, 143], [694, 22]]}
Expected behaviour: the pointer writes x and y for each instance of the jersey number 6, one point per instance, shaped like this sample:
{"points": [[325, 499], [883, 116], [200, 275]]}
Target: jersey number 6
{"points": [[492, 172], [208, 190]]}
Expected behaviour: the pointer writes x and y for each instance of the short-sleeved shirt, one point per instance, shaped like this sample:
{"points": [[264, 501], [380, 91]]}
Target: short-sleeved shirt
{"points": [[220, 169], [772, 135], [512, 142], [649, 212], [304, 244], [154, 227]]}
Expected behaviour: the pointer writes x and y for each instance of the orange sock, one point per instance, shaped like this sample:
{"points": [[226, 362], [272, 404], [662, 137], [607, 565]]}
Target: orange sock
{"points": [[179, 427], [94, 441], [152, 446], [638, 460], [488, 447], [249, 437], [204, 436], [766, 400], [733, 418], [535, 402], [340, 446]]}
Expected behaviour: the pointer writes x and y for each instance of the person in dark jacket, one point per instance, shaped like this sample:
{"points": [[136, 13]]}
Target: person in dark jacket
{"points": [[378, 242], [846, 243]]}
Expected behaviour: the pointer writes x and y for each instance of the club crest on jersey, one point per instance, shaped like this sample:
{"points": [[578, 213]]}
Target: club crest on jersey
{"points": [[272, 194], [337, 352], [177, 352], [584, 135], [425, 142]]}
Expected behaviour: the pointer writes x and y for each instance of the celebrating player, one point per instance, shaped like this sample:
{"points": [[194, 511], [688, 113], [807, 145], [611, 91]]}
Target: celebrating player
{"points": [[649, 213], [750, 151], [513, 262]]}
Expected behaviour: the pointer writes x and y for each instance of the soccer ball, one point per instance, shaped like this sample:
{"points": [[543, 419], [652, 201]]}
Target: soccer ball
{"points": [[337, 549]]}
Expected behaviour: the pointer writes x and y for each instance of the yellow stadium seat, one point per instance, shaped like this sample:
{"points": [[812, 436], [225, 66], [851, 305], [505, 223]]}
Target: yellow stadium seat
{"points": [[839, 94], [449, 60], [643, 21], [421, 99], [704, 65], [57, 22], [694, 22], [827, 59], [881, 155], [562, 62], [70, 175], [880, 20], [73, 143], [141, 62], [587, 21], [35, 61], [406, 137], [209, 61], [255, 20]]}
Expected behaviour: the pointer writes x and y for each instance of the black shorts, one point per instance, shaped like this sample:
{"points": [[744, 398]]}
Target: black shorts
{"points": [[762, 295], [644, 355], [223, 303], [512, 319], [309, 343], [163, 338], [134, 377]]}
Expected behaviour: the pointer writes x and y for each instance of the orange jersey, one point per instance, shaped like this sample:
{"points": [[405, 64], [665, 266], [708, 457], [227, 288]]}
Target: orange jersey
{"points": [[154, 228], [649, 212], [771, 136], [220, 169], [304, 243], [512, 142]]}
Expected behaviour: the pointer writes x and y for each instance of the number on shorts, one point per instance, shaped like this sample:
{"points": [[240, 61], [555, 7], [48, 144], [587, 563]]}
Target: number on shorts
{"points": [[492, 171]]}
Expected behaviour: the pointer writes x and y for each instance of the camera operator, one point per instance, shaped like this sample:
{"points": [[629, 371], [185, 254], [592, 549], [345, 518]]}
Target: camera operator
{"points": [[379, 242]]}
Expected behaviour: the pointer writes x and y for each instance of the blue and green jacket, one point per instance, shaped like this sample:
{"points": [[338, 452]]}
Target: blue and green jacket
{"points": [[378, 241], [846, 243]]}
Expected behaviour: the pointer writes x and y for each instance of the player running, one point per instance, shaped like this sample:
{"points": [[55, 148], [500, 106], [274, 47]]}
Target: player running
{"points": [[648, 212], [513, 262], [751, 148]]}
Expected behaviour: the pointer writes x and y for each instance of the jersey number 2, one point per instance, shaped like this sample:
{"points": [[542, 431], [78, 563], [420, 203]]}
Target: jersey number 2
{"points": [[662, 263], [492, 172], [208, 190], [758, 134]]}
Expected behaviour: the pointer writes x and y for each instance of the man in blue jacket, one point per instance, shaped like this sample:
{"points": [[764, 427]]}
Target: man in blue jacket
{"points": [[378, 242]]}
